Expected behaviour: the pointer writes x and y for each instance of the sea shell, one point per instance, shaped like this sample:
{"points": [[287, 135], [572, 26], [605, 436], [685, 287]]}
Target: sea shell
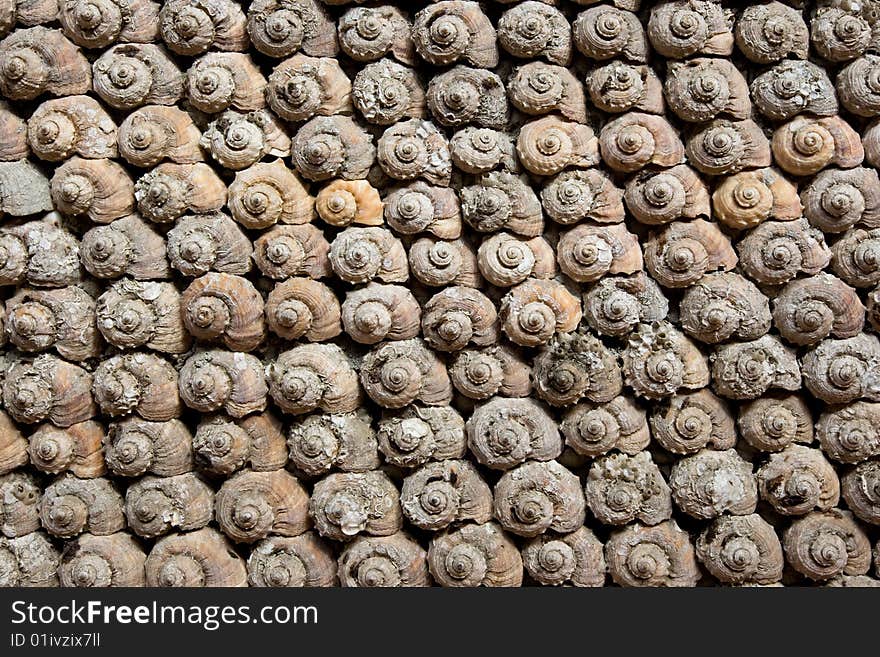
{"points": [[475, 555], [313, 376], [322, 442], [684, 251], [858, 86], [138, 382], [215, 379], [200, 558], [419, 207], [723, 147], [704, 88], [741, 549], [97, 24], [190, 27], [660, 197], [767, 33], [76, 449], [222, 446], [102, 561], [172, 190], [125, 247], [502, 200], [394, 561], [541, 88], [616, 304], [298, 250], [304, 560], [266, 193], [574, 366], [437, 263], [302, 87], [745, 199], [62, 319], [225, 80], [548, 145], [725, 305], [71, 506], [456, 316], [280, 28], [711, 483], [495, 370], [131, 75], [747, 370], [398, 373], [379, 312], [505, 259], [415, 435], [237, 140], [606, 32], [805, 145], [24, 189], [100, 190], [688, 423], [533, 311], [771, 423], [73, 125], [621, 489], [251, 505], [154, 133], [557, 559], [48, 388], [134, 446], [208, 242], [592, 429], [635, 140], [776, 251], [854, 257], [385, 92], [299, 307], [792, 87], [588, 252], [662, 555], [836, 199], [849, 433], [332, 147], [155, 506], [659, 360], [841, 371], [415, 149], [345, 504], [132, 314], [467, 96], [827, 543], [503, 433], [453, 30], [681, 28], [368, 33], [798, 480], [40, 60], [534, 29]]}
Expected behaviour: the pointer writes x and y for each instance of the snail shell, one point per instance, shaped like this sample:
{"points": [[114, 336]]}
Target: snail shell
{"points": [[792, 87], [415, 149], [398, 373], [415, 435], [268, 192], [662, 555], [70, 506], [345, 202], [154, 133], [457, 316], [660, 197], [133, 447], [237, 140], [682, 28], [559, 559], [48, 388], [573, 196], [861, 490], [332, 147], [622, 87], [453, 30], [502, 200], [208, 242], [548, 145], [419, 207], [772, 423], [359, 255], [142, 383], [506, 259], [303, 308], [770, 32], [741, 549], [437, 263], [24, 189], [777, 251], [855, 257], [28, 560], [540, 88], [798, 480], [539, 496], [73, 125], [841, 371], [322, 442], [190, 27], [132, 314], [659, 360], [711, 483], [445, 492], [304, 560], [688, 423], [839, 33], [101, 190], [858, 86], [723, 305], [125, 247], [467, 96], [837, 199], [621, 489], [385, 92], [200, 558], [494, 370], [806, 145], [251, 505], [479, 150], [595, 429], [61, 318], [533, 311], [723, 147], [745, 199], [99, 23], [606, 32], [231, 381], [349, 503], [42, 253], [76, 449], [576, 365], [27, 13], [635, 140], [369, 33], [747, 370], [827, 543], [225, 80], [101, 561], [280, 28], [13, 446], [394, 561], [503, 433], [704, 88], [379, 312], [19, 504], [129, 76], [684, 251], [222, 446], [302, 87], [155, 506], [587, 252], [225, 307], [808, 310], [298, 250], [38, 60], [534, 29], [471, 555], [850, 433], [13, 135], [313, 376], [172, 190]]}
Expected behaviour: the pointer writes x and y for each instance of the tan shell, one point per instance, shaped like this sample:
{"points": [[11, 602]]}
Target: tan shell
{"points": [[155, 506], [688, 423], [13, 135], [73, 125], [533, 311], [769, 32], [415, 149], [332, 147], [616, 304], [808, 310], [837, 199], [322, 442], [395, 561], [573, 196], [303, 308], [503, 433], [793, 87], [587, 252], [437, 263], [29, 560], [745, 199], [548, 145], [200, 558], [132, 314], [621, 489], [855, 257], [27, 13], [214, 380], [398, 373], [415, 435], [279, 28], [494, 370], [190, 27], [635, 140], [445, 492], [368, 33], [558, 559], [798, 480], [540, 88], [154, 133], [534, 29], [850, 433], [359, 255], [70, 506], [773, 422], [101, 190], [741, 549], [225, 80], [419, 207], [457, 316], [576, 365], [480, 150], [502, 200], [723, 147], [295, 561], [684, 251], [237, 140], [98, 23], [286, 251], [313, 376], [39, 252], [724, 305], [606, 32], [140, 383], [704, 88], [681, 28], [857, 88], [19, 504], [131, 75], [505, 259], [467, 96], [839, 33], [133, 447], [841, 371], [251, 505], [302, 87], [48, 388], [379, 312], [471, 555], [265, 193], [595, 429], [805, 145], [208, 242], [76, 449], [385, 92], [827, 543], [349, 503], [662, 555], [871, 143], [620, 86], [859, 487], [221, 446], [102, 561], [38, 60], [125, 247], [24, 189], [13, 446], [711, 483], [747, 370], [454, 30], [660, 197], [659, 360], [172, 190], [777, 251], [62, 319], [345, 202], [224, 307]]}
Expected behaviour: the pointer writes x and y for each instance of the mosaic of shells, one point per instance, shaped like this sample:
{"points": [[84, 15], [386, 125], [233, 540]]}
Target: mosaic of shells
{"points": [[305, 293]]}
